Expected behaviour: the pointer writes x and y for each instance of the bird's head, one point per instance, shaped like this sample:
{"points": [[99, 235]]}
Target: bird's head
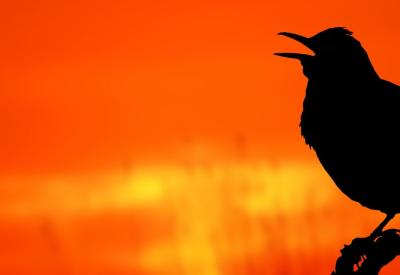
{"points": [[335, 50]]}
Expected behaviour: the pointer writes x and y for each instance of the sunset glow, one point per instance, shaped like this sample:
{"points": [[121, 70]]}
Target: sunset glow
{"points": [[162, 138]]}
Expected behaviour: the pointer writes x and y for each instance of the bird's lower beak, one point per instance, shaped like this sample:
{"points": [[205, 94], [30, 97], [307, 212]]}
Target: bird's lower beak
{"points": [[303, 40]]}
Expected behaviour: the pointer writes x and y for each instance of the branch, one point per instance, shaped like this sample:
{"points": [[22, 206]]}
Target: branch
{"points": [[367, 256]]}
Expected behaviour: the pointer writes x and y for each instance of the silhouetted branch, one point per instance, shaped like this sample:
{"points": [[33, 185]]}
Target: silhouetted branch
{"points": [[368, 256]]}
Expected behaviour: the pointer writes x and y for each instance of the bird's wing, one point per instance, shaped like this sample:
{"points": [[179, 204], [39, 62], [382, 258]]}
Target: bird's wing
{"points": [[386, 121], [389, 106], [391, 90]]}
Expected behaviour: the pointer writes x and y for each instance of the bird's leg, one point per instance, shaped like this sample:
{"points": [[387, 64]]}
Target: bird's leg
{"points": [[380, 227]]}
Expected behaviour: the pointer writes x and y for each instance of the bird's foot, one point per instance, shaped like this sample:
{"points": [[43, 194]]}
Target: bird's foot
{"points": [[379, 230]]}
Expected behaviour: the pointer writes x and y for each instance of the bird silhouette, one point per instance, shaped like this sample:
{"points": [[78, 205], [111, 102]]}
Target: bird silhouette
{"points": [[351, 118]]}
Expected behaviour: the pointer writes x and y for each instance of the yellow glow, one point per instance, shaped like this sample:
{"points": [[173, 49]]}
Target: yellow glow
{"points": [[143, 188], [286, 189], [199, 218], [210, 205], [256, 188]]}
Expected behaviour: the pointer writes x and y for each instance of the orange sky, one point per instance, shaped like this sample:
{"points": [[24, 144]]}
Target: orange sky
{"points": [[86, 85], [95, 89]]}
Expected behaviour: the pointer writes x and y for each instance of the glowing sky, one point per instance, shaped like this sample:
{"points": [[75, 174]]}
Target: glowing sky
{"points": [[92, 84], [161, 137]]}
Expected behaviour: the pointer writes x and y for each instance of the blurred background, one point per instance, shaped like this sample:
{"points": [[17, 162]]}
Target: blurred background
{"points": [[161, 137]]}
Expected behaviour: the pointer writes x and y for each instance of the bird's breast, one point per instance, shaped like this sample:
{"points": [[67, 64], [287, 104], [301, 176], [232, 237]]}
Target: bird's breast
{"points": [[329, 113]]}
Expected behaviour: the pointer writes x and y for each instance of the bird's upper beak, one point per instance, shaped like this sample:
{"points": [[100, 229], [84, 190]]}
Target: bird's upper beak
{"points": [[303, 40]]}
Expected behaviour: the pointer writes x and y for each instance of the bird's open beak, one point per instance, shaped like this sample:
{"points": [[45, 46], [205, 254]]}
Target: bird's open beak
{"points": [[303, 40]]}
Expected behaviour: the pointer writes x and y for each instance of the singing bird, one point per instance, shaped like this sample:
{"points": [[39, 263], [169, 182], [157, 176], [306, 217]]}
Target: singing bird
{"points": [[351, 119]]}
